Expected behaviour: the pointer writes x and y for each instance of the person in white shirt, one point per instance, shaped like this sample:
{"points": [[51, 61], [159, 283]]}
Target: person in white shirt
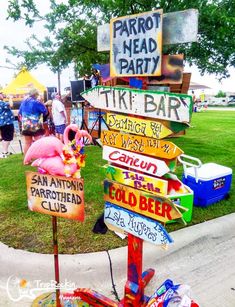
{"points": [[59, 116]]}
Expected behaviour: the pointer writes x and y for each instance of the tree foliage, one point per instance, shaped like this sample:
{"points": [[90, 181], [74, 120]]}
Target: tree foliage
{"points": [[72, 30], [220, 94]]}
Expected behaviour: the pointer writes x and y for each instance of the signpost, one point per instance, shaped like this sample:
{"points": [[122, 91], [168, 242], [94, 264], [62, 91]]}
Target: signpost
{"points": [[172, 70], [138, 162], [156, 207], [139, 126], [140, 144], [135, 202], [136, 44], [178, 28], [56, 196], [139, 226], [136, 180], [158, 105]]}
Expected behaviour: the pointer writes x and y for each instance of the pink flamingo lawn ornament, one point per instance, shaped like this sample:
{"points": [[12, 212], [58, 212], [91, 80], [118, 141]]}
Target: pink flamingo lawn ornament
{"points": [[53, 157]]}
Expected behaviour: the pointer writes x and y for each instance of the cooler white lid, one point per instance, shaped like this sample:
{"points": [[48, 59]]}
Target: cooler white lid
{"points": [[209, 171]]}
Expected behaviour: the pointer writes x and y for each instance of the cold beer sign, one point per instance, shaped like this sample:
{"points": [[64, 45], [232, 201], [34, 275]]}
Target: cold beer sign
{"points": [[136, 45]]}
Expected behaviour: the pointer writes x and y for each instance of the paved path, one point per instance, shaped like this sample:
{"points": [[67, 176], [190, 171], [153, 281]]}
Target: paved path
{"points": [[221, 108], [202, 256], [15, 145]]}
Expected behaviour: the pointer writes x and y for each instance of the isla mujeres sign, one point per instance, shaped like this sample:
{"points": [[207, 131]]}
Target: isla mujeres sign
{"points": [[138, 162], [157, 105], [144, 127], [140, 226], [156, 207], [56, 195], [136, 44], [140, 144]]}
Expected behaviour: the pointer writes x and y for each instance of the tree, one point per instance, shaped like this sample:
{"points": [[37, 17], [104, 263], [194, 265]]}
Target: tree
{"points": [[73, 27], [220, 94]]}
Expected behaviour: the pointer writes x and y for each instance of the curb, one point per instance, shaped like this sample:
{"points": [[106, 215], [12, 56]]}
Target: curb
{"points": [[185, 261]]}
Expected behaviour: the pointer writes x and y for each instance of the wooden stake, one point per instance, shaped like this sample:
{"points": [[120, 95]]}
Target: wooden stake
{"points": [[56, 259]]}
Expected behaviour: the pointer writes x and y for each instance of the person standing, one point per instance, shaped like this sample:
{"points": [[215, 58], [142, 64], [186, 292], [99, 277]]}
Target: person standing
{"points": [[6, 126], [59, 116], [31, 114], [194, 102], [94, 78]]}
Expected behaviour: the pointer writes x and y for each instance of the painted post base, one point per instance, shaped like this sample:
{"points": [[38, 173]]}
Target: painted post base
{"points": [[134, 294]]}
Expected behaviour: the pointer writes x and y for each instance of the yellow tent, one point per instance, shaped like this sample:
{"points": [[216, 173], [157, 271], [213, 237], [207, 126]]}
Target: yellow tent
{"points": [[21, 85]]}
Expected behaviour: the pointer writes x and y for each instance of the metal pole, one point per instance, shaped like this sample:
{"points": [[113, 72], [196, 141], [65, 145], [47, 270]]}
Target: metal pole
{"points": [[59, 82], [56, 259]]}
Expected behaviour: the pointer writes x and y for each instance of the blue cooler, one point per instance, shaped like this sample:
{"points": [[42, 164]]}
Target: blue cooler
{"points": [[210, 182]]}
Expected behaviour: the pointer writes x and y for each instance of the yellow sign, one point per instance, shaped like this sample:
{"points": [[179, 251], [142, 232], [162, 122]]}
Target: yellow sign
{"points": [[156, 207], [137, 180], [56, 195], [140, 144], [144, 127]]}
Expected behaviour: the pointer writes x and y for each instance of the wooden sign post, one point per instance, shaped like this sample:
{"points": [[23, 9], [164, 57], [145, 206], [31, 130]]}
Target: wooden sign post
{"points": [[141, 145], [158, 105], [150, 128], [56, 260], [174, 30], [135, 161], [136, 180], [135, 198], [136, 44], [56, 196], [124, 220]]}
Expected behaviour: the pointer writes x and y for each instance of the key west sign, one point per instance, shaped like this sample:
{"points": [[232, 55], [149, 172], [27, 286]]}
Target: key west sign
{"points": [[159, 105]]}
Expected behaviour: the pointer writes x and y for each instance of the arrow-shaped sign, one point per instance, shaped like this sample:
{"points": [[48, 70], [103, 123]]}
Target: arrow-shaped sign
{"points": [[174, 30], [156, 207], [159, 105], [136, 224], [140, 144], [136, 180], [135, 161], [134, 125]]}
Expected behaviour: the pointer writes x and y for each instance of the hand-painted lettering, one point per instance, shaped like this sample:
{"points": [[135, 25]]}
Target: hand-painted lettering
{"points": [[53, 206], [133, 161], [136, 25]]}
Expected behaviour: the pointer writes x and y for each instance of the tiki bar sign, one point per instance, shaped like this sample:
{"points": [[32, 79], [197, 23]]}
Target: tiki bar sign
{"points": [[136, 44], [55, 195], [158, 105]]}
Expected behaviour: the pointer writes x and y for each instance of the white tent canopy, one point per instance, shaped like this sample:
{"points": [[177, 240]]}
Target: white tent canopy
{"points": [[198, 86]]}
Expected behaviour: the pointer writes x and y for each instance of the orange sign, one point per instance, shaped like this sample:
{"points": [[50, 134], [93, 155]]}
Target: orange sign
{"points": [[140, 144], [154, 206], [56, 195]]}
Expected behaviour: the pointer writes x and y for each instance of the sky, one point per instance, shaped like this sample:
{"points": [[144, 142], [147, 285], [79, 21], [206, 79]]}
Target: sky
{"points": [[15, 34]]}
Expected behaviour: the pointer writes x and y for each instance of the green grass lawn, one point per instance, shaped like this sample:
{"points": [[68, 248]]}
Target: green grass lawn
{"points": [[211, 139]]}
